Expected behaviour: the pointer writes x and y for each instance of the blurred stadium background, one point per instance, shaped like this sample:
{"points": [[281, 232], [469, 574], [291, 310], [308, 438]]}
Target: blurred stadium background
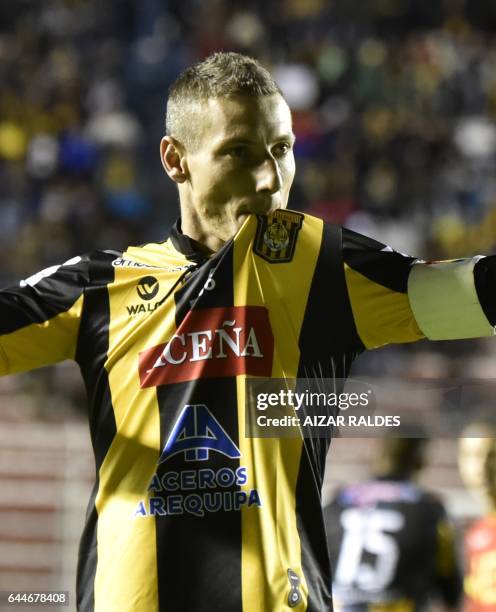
{"points": [[394, 108]]}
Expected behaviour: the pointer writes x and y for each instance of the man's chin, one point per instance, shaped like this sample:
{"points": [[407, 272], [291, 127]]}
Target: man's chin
{"points": [[256, 210]]}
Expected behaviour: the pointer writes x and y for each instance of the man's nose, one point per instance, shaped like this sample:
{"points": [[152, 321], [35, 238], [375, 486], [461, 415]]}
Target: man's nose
{"points": [[268, 176]]}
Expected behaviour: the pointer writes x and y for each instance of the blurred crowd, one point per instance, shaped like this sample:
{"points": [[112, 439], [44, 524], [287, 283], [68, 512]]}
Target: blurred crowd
{"points": [[394, 104]]}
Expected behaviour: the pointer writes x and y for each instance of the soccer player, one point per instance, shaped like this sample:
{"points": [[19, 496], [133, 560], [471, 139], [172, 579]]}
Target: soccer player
{"points": [[391, 544], [187, 512], [477, 462]]}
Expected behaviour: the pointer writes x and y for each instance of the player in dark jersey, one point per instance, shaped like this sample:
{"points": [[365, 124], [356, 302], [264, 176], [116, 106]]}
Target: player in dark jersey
{"points": [[391, 544], [187, 512], [477, 461]]}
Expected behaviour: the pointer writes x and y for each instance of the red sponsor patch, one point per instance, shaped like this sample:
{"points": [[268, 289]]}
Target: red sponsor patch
{"points": [[212, 343]]}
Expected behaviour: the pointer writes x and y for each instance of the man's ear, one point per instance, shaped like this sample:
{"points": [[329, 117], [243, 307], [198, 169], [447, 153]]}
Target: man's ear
{"points": [[173, 159]]}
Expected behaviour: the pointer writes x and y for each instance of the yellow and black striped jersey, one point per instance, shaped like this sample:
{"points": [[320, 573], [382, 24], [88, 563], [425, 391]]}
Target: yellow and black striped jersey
{"points": [[187, 513]]}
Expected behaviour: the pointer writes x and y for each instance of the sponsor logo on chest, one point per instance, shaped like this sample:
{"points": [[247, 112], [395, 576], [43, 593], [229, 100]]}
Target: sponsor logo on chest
{"points": [[212, 343], [147, 288]]}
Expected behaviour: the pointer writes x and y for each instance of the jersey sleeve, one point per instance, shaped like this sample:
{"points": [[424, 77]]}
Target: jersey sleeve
{"points": [[39, 318], [396, 298]]}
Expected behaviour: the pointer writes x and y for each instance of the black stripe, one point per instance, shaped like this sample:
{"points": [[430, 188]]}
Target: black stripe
{"points": [[485, 281], [219, 268], [87, 558], [91, 354], [365, 255], [328, 344], [199, 558], [310, 523], [328, 337], [24, 305]]}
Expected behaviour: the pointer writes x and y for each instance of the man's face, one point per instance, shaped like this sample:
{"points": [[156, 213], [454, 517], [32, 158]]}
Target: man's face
{"points": [[477, 462], [243, 163]]}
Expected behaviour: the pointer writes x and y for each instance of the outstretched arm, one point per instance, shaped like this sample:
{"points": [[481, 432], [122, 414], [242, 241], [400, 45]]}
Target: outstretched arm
{"points": [[39, 317], [396, 298]]}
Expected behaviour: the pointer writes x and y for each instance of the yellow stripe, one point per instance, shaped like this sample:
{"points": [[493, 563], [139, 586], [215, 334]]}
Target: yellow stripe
{"points": [[381, 315], [126, 577], [155, 253], [4, 362], [270, 540], [41, 344]]}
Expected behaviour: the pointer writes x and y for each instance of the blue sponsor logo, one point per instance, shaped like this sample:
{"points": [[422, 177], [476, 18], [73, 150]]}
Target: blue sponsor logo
{"points": [[199, 491], [196, 433]]}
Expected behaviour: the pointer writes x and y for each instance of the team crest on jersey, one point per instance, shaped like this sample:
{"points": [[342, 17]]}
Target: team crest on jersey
{"points": [[276, 236], [196, 433]]}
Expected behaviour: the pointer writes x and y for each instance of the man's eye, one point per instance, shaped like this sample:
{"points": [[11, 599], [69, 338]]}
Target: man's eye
{"points": [[281, 149], [239, 152]]}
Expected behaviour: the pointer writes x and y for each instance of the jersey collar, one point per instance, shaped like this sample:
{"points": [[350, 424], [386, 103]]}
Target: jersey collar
{"points": [[191, 249]]}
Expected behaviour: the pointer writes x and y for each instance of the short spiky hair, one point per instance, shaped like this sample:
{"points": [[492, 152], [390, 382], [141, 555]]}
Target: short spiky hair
{"points": [[222, 74]]}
